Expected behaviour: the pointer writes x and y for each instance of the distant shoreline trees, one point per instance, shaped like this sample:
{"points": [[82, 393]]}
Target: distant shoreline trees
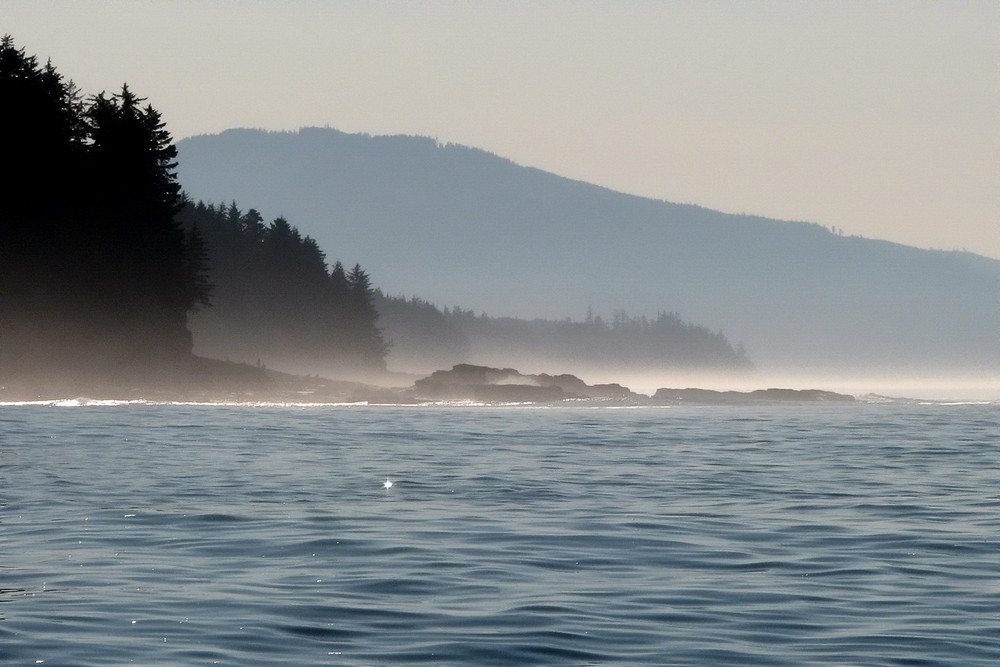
{"points": [[623, 343], [422, 334]]}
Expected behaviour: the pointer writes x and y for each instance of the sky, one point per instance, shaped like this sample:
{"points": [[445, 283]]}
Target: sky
{"points": [[877, 118]]}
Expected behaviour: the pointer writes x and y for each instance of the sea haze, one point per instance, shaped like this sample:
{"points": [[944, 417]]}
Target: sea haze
{"points": [[462, 227], [859, 533]]}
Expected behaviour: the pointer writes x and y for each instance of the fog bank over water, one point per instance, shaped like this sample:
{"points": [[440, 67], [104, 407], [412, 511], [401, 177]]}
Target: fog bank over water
{"points": [[936, 387]]}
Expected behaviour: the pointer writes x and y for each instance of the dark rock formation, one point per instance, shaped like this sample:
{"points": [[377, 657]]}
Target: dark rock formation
{"points": [[482, 383], [759, 395]]}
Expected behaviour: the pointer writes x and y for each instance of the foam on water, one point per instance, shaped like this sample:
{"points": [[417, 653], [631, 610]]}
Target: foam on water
{"points": [[639, 404]]}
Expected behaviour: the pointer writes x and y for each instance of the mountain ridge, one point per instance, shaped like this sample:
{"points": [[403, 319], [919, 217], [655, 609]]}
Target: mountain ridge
{"points": [[462, 226]]}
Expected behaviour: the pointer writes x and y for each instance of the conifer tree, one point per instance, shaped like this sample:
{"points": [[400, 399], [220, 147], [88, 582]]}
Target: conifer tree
{"points": [[42, 140], [361, 305], [252, 226], [199, 286], [338, 283], [135, 199]]}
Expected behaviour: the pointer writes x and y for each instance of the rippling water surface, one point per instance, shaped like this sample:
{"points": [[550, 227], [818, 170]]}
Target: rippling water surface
{"points": [[781, 535]]}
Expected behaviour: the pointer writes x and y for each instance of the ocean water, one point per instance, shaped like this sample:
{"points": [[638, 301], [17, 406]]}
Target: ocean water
{"points": [[860, 534]]}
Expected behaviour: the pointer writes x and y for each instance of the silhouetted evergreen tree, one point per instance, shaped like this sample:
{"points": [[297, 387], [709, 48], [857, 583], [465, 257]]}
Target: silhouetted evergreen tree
{"points": [[359, 287], [252, 226], [42, 138], [339, 283], [368, 342], [199, 287], [144, 264]]}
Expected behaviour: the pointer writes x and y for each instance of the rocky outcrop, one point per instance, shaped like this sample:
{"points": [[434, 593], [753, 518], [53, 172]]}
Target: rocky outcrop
{"points": [[482, 383]]}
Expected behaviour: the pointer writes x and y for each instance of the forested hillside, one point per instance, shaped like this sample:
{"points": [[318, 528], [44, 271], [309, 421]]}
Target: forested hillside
{"points": [[102, 259], [96, 276], [276, 302], [274, 299]]}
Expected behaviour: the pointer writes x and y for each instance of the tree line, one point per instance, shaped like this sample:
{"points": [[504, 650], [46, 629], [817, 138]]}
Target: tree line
{"points": [[94, 270], [275, 301], [621, 343], [423, 334], [102, 258]]}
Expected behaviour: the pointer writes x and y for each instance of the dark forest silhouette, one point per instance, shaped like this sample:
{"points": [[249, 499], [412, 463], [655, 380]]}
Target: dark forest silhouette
{"points": [[95, 273], [102, 258], [274, 300]]}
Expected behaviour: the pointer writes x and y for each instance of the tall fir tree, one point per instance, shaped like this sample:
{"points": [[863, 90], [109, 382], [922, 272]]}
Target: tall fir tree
{"points": [[43, 142], [368, 341], [136, 196]]}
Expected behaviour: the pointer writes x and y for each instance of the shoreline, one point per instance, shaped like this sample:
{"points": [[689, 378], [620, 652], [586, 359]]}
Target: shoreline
{"points": [[202, 381]]}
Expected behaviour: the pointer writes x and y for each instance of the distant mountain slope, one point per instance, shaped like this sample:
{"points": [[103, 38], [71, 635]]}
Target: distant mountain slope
{"points": [[460, 226]]}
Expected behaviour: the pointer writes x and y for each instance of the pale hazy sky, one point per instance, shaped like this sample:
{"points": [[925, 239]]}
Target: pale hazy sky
{"points": [[879, 118]]}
